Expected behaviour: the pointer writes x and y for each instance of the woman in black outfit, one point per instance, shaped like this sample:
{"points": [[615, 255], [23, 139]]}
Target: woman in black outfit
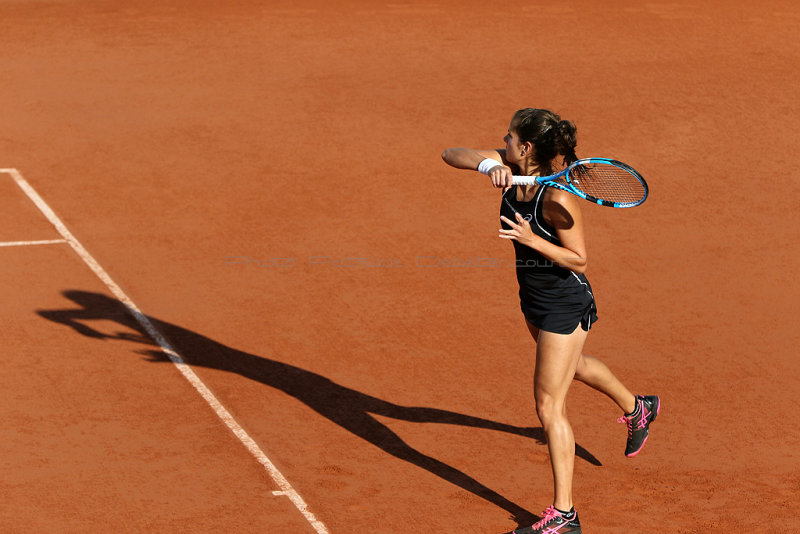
{"points": [[546, 229]]}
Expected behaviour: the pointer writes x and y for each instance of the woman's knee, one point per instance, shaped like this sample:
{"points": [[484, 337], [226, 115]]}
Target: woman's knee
{"points": [[549, 409]]}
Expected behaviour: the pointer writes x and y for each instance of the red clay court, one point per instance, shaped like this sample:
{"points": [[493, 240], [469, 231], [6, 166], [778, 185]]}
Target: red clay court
{"points": [[242, 292]]}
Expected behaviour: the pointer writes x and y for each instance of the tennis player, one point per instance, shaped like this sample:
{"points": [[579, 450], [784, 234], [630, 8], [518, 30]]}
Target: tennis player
{"points": [[547, 231]]}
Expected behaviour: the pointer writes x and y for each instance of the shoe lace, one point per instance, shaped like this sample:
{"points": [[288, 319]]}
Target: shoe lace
{"points": [[628, 422], [639, 421], [549, 515]]}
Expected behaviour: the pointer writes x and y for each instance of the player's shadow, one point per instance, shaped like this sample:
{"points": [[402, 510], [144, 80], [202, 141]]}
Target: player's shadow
{"points": [[346, 407]]}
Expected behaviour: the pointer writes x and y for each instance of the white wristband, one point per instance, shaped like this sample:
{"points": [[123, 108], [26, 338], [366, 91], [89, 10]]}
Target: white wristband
{"points": [[487, 165]]}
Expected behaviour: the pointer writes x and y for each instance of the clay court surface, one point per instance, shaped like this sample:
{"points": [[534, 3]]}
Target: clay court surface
{"points": [[262, 180]]}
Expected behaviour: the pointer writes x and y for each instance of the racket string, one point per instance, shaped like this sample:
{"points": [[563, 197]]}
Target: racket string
{"points": [[607, 182]]}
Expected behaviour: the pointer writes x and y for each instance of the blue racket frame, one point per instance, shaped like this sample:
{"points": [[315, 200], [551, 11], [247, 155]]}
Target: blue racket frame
{"points": [[565, 174]]}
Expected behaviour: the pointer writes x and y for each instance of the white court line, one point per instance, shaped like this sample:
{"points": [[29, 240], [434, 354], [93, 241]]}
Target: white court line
{"points": [[285, 488], [27, 243]]}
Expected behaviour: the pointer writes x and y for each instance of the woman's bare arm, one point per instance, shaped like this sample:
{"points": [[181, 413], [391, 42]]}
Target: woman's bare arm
{"points": [[468, 158]]}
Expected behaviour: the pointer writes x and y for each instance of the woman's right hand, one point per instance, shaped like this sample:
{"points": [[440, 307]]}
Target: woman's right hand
{"points": [[501, 176]]}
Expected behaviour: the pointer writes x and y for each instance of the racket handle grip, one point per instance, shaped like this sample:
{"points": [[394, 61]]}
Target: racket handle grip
{"points": [[525, 180]]}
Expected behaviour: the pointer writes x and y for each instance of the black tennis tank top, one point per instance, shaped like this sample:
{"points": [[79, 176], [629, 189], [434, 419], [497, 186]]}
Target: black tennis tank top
{"points": [[533, 269]]}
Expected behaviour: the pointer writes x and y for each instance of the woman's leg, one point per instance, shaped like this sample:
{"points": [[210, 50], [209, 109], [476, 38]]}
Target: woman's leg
{"points": [[595, 374], [557, 357]]}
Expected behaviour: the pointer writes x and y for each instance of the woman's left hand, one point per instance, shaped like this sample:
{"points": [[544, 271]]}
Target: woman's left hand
{"points": [[520, 231]]}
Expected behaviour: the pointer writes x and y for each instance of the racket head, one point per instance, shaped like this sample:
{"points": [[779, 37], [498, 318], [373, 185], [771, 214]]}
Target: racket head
{"points": [[607, 182]]}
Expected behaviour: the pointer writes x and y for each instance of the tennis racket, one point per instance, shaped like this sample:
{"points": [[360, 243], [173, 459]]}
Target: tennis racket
{"points": [[603, 181]]}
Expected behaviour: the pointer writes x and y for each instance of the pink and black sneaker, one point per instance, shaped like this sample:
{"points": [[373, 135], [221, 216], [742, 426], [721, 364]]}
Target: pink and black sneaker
{"points": [[647, 408], [554, 522]]}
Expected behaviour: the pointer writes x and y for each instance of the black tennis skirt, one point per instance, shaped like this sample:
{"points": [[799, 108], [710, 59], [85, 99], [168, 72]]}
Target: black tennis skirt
{"points": [[560, 308]]}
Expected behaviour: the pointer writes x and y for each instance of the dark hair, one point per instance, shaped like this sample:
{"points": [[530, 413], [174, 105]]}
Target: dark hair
{"points": [[549, 135]]}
